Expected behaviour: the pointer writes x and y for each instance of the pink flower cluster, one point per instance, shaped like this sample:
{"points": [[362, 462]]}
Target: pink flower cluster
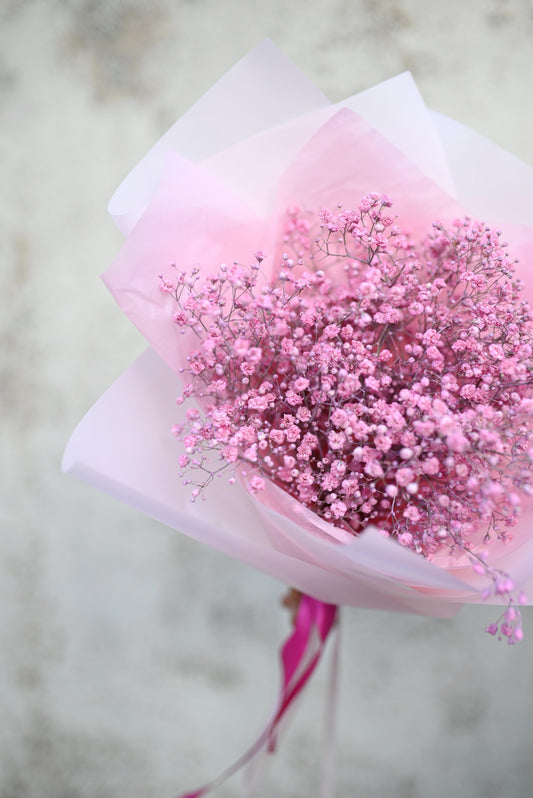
{"points": [[376, 380]]}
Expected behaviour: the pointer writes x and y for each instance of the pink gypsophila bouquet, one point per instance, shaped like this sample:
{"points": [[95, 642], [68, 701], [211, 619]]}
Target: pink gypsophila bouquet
{"points": [[209, 194], [364, 379], [373, 381]]}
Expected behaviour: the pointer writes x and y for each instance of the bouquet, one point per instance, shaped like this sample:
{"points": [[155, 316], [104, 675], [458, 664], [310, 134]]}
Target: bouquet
{"points": [[341, 343]]}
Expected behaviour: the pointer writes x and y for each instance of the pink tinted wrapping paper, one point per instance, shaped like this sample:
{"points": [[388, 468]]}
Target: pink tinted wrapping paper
{"points": [[207, 195]]}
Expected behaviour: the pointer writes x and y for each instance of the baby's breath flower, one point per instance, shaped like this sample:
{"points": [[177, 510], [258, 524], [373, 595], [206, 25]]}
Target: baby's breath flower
{"points": [[374, 379]]}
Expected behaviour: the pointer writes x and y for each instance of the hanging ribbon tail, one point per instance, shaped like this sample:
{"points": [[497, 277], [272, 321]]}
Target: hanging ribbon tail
{"points": [[299, 655]]}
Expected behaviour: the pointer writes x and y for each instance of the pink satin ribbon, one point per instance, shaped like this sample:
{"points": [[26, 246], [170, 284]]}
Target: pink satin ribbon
{"points": [[299, 656]]}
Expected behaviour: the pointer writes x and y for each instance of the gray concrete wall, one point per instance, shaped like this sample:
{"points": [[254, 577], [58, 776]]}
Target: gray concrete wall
{"points": [[134, 662]]}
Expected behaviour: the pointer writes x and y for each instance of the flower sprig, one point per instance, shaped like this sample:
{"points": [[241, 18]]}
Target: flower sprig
{"points": [[377, 381]]}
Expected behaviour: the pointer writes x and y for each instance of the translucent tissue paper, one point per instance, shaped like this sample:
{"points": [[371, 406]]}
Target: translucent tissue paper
{"points": [[212, 190]]}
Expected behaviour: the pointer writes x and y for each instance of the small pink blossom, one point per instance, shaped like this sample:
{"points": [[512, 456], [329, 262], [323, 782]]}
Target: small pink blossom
{"points": [[293, 398], [338, 509], [230, 454], [456, 441], [257, 484], [373, 469], [277, 436], [404, 476], [336, 440], [431, 466]]}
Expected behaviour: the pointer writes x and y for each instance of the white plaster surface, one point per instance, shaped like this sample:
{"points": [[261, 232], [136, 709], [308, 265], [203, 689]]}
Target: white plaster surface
{"points": [[134, 662]]}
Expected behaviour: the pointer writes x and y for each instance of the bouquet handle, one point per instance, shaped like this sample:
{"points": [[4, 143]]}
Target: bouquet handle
{"points": [[299, 655]]}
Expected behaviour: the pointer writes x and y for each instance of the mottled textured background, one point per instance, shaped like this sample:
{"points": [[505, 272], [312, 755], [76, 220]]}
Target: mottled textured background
{"points": [[134, 662]]}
